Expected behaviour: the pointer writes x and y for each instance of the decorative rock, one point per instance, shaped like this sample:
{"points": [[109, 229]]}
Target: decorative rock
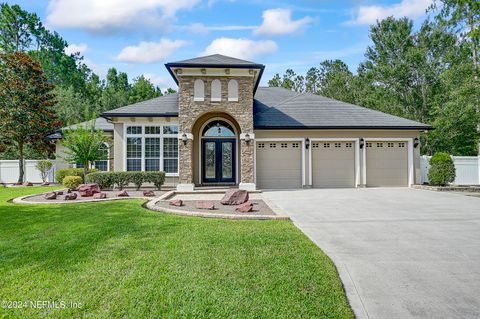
{"points": [[176, 202], [59, 192], [148, 194], [18, 184], [27, 184], [235, 197], [68, 191], [87, 190], [71, 196], [123, 194], [99, 196], [45, 183], [244, 208], [205, 204], [50, 195]]}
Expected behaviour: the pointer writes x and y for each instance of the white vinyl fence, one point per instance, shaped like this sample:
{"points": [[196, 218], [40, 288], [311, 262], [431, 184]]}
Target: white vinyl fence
{"points": [[466, 167], [9, 172]]}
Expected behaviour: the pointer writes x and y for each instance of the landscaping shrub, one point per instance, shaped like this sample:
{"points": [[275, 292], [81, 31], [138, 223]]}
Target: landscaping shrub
{"points": [[137, 178], [72, 182], [103, 179], [157, 178], [442, 169], [120, 179], [61, 173], [44, 167]]}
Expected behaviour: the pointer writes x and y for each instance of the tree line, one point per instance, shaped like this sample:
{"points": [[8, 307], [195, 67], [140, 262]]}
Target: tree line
{"points": [[428, 75], [77, 92]]}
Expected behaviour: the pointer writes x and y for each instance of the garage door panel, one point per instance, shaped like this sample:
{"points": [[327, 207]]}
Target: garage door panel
{"points": [[387, 164], [333, 164], [279, 165]]}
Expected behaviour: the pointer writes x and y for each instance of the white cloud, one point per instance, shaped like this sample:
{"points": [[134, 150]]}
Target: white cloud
{"points": [[149, 52], [406, 8], [158, 80], [279, 21], [241, 48], [74, 48], [97, 15], [200, 28]]}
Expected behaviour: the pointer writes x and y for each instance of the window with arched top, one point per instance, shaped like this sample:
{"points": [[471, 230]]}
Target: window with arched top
{"points": [[218, 129], [233, 90], [198, 90], [216, 91]]}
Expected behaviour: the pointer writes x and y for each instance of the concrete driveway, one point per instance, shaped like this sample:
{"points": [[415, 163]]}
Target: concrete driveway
{"points": [[401, 253]]}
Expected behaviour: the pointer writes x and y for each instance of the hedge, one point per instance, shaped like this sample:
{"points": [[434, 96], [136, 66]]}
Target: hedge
{"points": [[72, 182], [121, 179], [61, 173], [442, 169]]}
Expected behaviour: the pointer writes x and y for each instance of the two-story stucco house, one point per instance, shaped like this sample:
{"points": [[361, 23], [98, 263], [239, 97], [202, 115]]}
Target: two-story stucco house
{"points": [[221, 128]]}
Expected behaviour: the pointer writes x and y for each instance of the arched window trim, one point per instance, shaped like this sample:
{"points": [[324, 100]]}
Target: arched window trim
{"points": [[218, 124], [107, 146], [233, 90], [198, 90], [216, 91]]}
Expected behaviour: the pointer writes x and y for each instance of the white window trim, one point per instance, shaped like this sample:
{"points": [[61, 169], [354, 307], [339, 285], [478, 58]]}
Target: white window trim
{"points": [[199, 98], [268, 139], [332, 139], [143, 136], [410, 160]]}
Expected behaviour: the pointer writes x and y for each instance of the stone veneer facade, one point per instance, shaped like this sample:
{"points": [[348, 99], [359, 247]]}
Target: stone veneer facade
{"points": [[190, 111]]}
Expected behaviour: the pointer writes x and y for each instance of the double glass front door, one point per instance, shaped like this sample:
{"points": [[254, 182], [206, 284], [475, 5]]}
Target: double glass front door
{"points": [[218, 160]]}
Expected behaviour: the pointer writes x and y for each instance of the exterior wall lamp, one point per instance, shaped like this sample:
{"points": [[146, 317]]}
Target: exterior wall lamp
{"points": [[362, 143], [307, 143], [247, 138], [416, 142], [184, 138]]}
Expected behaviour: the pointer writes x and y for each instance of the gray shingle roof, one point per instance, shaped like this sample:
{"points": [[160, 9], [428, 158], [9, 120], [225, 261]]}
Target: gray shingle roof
{"points": [[281, 108], [213, 60], [163, 106], [100, 123], [278, 108]]}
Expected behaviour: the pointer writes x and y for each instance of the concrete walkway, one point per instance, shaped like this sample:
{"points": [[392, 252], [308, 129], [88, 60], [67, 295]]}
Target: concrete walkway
{"points": [[401, 253]]}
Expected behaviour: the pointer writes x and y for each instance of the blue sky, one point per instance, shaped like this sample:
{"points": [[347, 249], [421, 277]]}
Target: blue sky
{"points": [[139, 36]]}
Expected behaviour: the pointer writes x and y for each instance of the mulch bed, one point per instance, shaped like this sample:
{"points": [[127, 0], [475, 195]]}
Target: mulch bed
{"points": [[259, 207], [110, 195]]}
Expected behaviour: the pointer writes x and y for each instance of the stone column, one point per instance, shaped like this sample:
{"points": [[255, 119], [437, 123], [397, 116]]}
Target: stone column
{"points": [[247, 163], [185, 163]]}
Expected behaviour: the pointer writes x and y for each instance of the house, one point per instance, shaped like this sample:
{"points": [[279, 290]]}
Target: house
{"points": [[221, 128]]}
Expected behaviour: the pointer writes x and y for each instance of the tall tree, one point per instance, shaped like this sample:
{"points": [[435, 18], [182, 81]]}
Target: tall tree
{"points": [[26, 113], [463, 16], [335, 81]]}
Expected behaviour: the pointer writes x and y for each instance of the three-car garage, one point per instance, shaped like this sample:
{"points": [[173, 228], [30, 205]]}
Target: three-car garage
{"points": [[333, 163]]}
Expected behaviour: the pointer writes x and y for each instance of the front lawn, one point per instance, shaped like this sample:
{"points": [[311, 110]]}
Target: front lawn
{"points": [[118, 260]]}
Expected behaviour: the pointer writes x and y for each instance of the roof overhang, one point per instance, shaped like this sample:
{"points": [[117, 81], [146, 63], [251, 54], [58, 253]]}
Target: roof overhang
{"points": [[394, 128], [109, 116]]}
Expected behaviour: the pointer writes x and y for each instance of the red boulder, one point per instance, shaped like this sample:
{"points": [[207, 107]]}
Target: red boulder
{"points": [[45, 183], [176, 202], [59, 192], [87, 190], [27, 184], [123, 194], [50, 195], [205, 204], [71, 196], [244, 208], [148, 194], [234, 197], [99, 196]]}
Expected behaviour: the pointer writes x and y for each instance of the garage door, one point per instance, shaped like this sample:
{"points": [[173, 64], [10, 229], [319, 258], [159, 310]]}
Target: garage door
{"points": [[279, 165], [333, 164], [387, 163]]}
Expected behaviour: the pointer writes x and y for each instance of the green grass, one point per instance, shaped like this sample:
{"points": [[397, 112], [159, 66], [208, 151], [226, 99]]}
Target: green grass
{"points": [[121, 261]]}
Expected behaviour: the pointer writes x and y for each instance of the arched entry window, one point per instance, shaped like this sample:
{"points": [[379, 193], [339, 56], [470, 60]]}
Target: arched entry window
{"points": [[218, 129]]}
